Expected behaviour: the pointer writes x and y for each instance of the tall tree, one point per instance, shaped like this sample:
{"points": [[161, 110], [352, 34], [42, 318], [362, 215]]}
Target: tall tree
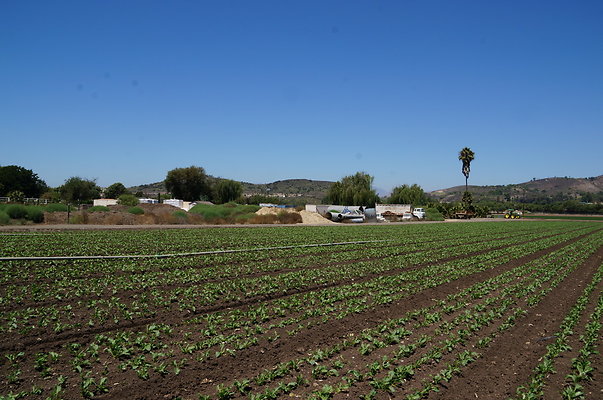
{"points": [[227, 190], [115, 190], [188, 184], [16, 178], [353, 190], [408, 195], [79, 190], [466, 156]]}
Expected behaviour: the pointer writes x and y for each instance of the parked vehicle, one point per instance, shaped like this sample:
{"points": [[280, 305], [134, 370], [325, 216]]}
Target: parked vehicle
{"points": [[346, 215], [407, 216], [419, 213], [513, 214]]}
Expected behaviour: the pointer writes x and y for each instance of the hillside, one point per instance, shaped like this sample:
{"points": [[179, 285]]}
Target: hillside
{"points": [[289, 188], [536, 190]]}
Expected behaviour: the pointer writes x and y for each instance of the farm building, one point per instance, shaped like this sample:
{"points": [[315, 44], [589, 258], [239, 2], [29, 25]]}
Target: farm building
{"points": [[185, 205], [104, 202]]}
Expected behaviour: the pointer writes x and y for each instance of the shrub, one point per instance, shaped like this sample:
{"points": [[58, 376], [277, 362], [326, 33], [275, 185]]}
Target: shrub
{"points": [[78, 219], [282, 217], [99, 208], [243, 218], [285, 217], [207, 211], [482, 211], [16, 211], [128, 200], [55, 207], [4, 218], [263, 219], [16, 196], [225, 211], [180, 214], [432, 214], [35, 214], [136, 210]]}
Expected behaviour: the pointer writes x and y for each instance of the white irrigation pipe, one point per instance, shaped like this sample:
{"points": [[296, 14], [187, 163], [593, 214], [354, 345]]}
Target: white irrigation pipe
{"points": [[199, 253], [24, 234]]}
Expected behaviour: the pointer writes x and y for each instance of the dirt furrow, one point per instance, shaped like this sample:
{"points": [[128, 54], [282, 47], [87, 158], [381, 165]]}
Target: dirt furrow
{"points": [[265, 356], [131, 293], [175, 317], [512, 357]]}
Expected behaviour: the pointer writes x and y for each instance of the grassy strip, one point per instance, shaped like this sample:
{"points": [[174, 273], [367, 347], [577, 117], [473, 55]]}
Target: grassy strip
{"points": [[572, 217]]}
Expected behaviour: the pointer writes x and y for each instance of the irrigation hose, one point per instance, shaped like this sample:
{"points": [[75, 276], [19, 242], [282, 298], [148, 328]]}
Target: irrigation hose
{"points": [[199, 253]]}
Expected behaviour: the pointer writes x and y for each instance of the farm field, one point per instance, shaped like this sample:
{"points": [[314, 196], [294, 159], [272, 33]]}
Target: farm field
{"points": [[571, 217], [487, 310]]}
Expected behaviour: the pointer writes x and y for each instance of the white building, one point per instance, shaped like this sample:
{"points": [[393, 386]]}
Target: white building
{"points": [[104, 202], [184, 205], [148, 201]]}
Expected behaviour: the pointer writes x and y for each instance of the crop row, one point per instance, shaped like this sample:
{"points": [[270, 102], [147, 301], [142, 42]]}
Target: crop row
{"points": [[190, 313], [190, 297], [187, 240], [119, 275], [581, 365], [553, 267]]}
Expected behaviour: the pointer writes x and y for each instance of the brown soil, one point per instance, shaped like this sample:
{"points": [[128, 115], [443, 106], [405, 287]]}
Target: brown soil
{"points": [[505, 364], [510, 360]]}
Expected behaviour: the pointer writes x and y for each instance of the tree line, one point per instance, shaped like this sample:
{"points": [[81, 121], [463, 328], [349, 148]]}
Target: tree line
{"points": [[189, 184], [193, 184]]}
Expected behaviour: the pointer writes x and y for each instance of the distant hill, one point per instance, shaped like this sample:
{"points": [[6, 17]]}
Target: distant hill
{"points": [[289, 188], [310, 191], [151, 189], [536, 190]]}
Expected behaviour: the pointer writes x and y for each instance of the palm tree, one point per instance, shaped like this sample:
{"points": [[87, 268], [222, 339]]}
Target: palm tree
{"points": [[466, 156]]}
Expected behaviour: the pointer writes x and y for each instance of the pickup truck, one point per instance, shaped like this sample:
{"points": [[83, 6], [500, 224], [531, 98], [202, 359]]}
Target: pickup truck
{"points": [[419, 213]]}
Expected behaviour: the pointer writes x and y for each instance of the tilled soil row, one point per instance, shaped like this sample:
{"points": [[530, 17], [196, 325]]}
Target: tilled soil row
{"points": [[563, 364], [131, 293], [176, 317], [261, 257], [512, 357], [255, 359], [355, 361]]}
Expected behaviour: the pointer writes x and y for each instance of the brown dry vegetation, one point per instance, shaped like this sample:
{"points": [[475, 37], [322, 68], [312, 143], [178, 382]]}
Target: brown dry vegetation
{"points": [[162, 214]]}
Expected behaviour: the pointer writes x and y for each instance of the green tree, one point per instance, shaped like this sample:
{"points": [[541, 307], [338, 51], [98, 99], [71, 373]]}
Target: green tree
{"points": [[16, 196], [52, 195], [115, 190], [353, 190], [188, 184], [78, 190], [16, 178], [467, 202], [408, 195], [466, 156], [227, 190], [128, 199]]}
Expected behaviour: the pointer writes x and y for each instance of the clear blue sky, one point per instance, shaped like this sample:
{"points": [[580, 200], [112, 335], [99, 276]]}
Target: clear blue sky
{"points": [[260, 91]]}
